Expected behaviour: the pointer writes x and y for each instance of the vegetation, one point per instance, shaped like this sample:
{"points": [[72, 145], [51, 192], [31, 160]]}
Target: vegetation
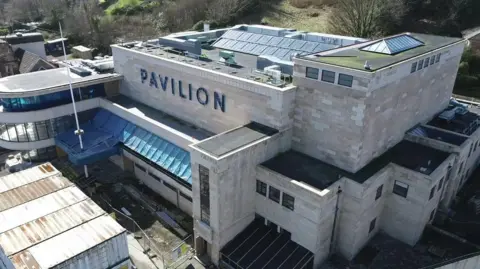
{"points": [[468, 78]]}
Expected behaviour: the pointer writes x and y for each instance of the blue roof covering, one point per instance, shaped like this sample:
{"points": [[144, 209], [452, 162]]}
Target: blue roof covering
{"points": [[107, 131]]}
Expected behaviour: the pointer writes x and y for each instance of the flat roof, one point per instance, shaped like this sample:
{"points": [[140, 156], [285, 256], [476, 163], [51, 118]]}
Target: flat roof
{"points": [[465, 124], [161, 117], [22, 38], [227, 142], [47, 81], [318, 174], [438, 134], [355, 58], [40, 210]]}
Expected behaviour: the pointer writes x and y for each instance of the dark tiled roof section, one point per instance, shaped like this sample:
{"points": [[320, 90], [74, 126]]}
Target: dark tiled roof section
{"points": [[26, 38], [30, 62]]}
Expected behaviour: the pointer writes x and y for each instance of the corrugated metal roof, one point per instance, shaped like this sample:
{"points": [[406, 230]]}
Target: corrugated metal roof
{"points": [[45, 220], [70, 243], [27, 176]]}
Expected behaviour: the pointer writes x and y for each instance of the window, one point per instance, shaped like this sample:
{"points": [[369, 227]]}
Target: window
{"points": [[460, 169], [432, 215], [432, 193], [475, 147], [427, 61], [328, 76], [440, 184], [414, 67], [140, 167], [400, 188], [372, 225], [379, 192], [438, 58], [204, 177], [169, 186], [471, 149], [261, 188], [288, 201], [312, 73], [188, 198], [432, 60], [274, 194], [345, 80], [420, 65], [155, 177]]}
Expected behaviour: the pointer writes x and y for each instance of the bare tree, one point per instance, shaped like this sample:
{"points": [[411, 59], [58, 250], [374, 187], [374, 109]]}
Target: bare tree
{"points": [[365, 18], [224, 11]]}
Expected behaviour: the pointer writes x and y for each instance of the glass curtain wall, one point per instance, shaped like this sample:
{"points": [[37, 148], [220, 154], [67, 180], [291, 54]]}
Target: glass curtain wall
{"points": [[52, 99]]}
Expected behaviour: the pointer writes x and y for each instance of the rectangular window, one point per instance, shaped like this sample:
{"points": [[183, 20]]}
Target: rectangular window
{"points": [[328, 76], [432, 215], [312, 73], [432, 60], [169, 186], [204, 178], [345, 80], [420, 65], [438, 58], [372, 225], [288, 201], [274, 194], [414, 67], [400, 188], [471, 149], [427, 61], [475, 147], [156, 177], [261, 188], [440, 184], [188, 198], [460, 170], [379, 192], [432, 193], [140, 167]]}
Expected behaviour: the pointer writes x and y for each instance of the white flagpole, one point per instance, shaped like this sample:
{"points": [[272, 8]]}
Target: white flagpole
{"points": [[79, 131]]}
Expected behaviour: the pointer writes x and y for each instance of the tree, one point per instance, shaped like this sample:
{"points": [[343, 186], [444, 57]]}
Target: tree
{"points": [[366, 18]]}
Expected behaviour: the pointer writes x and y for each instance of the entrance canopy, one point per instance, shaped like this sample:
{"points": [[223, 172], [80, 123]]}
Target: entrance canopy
{"points": [[107, 132]]}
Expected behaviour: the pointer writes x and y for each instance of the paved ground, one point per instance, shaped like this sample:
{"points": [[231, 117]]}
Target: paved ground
{"points": [[137, 255]]}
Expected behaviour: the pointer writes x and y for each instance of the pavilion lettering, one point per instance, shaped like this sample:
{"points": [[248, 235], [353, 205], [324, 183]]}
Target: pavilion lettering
{"points": [[177, 87]]}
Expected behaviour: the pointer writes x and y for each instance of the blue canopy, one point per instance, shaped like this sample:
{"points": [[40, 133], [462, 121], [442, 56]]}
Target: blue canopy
{"points": [[106, 132]]}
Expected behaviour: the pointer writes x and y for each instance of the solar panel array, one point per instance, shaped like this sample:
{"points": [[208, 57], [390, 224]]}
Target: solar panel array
{"points": [[260, 44], [394, 45]]}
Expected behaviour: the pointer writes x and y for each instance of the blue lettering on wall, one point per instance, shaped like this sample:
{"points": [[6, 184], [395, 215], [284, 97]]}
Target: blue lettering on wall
{"points": [[204, 100], [219, 101], [163, 82], [202, 94]]}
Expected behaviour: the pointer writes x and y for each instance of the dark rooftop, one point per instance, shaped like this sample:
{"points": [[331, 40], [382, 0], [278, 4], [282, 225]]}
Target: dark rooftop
{"points": [[463, 124], [354, 57], [24, 38], [30, 62], [224, 143], [318, 174], [447, 137]]}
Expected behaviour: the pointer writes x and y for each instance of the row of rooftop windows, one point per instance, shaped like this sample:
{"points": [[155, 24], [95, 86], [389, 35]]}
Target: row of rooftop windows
{"points": [[274, 194], [329, 76], [424, 63]]}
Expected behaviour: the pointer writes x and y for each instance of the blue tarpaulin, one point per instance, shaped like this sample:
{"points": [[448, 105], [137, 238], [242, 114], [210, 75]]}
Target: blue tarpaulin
{"points": [[107, 132]]}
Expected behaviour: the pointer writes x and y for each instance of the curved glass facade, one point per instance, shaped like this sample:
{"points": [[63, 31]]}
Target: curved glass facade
{"points": [[21, 104], [41, 130], [40, 155]]}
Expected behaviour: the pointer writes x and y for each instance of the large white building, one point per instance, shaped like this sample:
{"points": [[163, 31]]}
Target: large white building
{"points": [[284, 146]]}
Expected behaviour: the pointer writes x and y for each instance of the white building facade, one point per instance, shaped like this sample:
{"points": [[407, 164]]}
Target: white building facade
{"points": [[284, 146]]}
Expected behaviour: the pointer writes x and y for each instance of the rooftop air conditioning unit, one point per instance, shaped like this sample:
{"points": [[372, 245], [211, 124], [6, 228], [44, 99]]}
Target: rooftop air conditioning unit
{"points": [[227, 57]]}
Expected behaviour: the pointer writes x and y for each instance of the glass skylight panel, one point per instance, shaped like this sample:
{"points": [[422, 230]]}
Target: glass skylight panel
{"points": [[286, 42], [281, 53], [264, 39], [309, 46], [239, 45], [275, 41], [244, 37], [220, 43], [248, 48], [254, 38], [298, 44], [229, 44], [232, 34], [269, 51], [393, 45], [259, 49]]}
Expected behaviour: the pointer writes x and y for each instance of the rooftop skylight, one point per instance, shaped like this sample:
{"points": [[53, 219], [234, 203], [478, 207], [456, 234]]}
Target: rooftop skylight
{"points": [[394, 45]]}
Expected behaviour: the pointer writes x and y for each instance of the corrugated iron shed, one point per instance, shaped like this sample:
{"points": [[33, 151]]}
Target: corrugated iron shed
{"points": [[47, 222]]}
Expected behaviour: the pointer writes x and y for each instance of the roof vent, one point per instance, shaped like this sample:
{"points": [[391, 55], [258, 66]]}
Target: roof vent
{"points": [[367, 65], [18, 34]]}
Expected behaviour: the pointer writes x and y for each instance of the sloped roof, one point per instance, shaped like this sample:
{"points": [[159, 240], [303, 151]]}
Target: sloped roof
{"points": [[30, 62]]}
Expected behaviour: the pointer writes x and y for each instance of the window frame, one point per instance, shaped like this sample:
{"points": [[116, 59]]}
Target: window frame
{"points": [[432, 215], [432, 193], [308, 71], [260, 188], [426, 62], [271, 191], [379, 192], [372, 225], [157, 178], [420, 65], [438, 57], [204, 180], [290, 204], [340, 79], [432, 60], [440, 184], [140, 167], [170, 186], [186, 197], [396, 190], [325, 78], [413, 69]]}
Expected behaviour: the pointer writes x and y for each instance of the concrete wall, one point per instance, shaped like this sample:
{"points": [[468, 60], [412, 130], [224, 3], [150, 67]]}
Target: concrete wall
{"points": [[245, 100], [469, 263], [34, 47], [311, 221], [232, 188], [374, 113]]}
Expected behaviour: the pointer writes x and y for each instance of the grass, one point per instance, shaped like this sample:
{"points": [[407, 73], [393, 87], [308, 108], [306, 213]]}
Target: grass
{"points": [[284, 14]]}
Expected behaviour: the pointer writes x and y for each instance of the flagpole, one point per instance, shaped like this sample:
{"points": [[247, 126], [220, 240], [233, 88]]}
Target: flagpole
{"points": [[79, 131]]}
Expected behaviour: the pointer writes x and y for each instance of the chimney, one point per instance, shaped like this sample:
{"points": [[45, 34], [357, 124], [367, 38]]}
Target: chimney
{"points": [[206, 27]]}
